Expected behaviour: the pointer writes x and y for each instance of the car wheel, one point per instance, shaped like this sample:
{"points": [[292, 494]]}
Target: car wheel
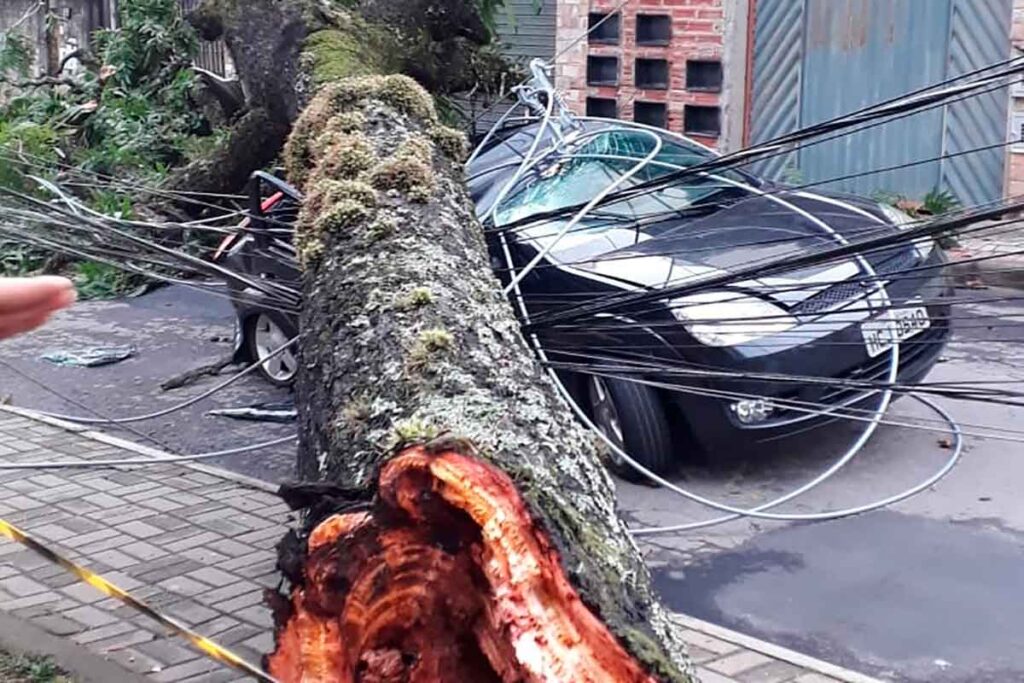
{"points": [[265, 334], [632, 417]]}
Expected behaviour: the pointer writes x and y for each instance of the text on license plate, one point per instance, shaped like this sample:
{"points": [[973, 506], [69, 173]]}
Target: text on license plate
{"points": [[898, 325]]}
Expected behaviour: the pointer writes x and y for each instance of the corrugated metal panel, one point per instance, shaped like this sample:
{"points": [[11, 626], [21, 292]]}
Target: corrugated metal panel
{"points": [[212, 55], [860, 53], [817, 59], [778, 66], [526, 35], [979, 36]]}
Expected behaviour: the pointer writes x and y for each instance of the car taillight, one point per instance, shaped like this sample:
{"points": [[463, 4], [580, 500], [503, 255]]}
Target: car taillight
{"points": [[226, 243]]}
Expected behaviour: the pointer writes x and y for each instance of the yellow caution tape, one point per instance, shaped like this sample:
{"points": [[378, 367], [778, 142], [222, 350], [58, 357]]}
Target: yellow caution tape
{"points": [[203, 644]]}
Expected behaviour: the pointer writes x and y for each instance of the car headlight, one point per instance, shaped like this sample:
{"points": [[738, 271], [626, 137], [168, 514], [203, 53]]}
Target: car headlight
{"points": [[730, 318], [903, 221]]}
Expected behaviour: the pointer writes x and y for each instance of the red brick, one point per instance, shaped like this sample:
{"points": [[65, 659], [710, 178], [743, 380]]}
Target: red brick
{"points": [[697, 26], [696, 33], [704, 140]]}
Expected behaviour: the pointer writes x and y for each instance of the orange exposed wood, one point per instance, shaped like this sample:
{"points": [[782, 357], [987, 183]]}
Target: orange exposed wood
{"points": [[448, 579]]}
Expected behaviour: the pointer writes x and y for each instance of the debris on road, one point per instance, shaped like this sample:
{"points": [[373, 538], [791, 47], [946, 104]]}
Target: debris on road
{"points": [[192, 376], [261, 412], [91, 358]]}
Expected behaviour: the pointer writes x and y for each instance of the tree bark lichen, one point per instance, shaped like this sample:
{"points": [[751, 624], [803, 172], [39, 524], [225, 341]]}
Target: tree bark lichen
{"points": [[406, 335], [285, 50]]}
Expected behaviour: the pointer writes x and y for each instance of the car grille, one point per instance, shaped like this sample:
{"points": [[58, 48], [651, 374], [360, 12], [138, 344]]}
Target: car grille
{"points": [[831, 297], [876, 370]]}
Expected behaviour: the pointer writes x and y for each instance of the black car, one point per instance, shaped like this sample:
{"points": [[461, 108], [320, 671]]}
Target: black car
{"points": [[262, 248], [838, 320]]}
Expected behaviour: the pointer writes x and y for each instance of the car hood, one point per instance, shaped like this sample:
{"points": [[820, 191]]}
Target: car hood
{"points": [[755, 230]]}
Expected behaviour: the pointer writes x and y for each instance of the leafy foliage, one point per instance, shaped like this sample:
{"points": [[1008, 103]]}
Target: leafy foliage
{"points": [[15, 54], [936, 203], [152, 45], [133, 116], [144, 110], [25, 147], [132, 119], [17, 259], [939, 202], [489, 10], [100, 280], [16, 668]]}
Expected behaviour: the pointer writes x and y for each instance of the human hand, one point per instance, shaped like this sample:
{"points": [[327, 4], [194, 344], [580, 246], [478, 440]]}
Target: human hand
{"points": [[27, 303]]}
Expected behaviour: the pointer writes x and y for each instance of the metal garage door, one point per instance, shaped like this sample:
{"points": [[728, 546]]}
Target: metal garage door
{"points": [[817, 59]]}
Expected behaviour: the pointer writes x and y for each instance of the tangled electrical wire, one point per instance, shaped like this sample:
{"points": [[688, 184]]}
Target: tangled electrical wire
{"points": [[523, 172], [647, 220]]}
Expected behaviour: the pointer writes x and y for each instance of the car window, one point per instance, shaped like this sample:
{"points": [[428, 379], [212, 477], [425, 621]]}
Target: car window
{"points": [[597, 163]]}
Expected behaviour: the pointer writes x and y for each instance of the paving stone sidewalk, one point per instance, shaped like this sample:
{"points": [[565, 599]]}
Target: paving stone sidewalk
{"points": [[199, 545]]}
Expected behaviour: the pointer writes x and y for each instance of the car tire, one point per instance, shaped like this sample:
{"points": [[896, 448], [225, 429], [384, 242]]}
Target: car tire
{"points": [[265, 332], [632, 416]]}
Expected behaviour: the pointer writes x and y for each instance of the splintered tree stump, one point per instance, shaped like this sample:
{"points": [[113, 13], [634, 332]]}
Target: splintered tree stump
{"points": [[509, 565], [447, 578]]}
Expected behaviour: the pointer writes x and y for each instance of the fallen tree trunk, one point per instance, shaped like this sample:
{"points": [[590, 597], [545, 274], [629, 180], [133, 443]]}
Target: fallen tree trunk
{"points": [[477, 529], [449, 577]]}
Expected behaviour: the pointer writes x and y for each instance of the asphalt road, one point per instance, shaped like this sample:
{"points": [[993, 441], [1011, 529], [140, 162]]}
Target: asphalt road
{"points": [[173, 329], [926, 590]]}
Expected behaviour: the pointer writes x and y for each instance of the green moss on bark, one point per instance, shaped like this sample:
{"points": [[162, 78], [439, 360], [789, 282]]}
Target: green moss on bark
{"points": [[332, 206], [348, 155], [336, 108], [451, 142], [409, 170], [333, 54]]}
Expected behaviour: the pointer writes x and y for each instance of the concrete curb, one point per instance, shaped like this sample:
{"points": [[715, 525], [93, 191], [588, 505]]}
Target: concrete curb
{"points": [[972, 265], [139, 449], [21, 637], [774, 651]]}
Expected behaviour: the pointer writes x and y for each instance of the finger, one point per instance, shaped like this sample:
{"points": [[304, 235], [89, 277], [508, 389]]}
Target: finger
{"points": [[19, 295], [11, 325]]}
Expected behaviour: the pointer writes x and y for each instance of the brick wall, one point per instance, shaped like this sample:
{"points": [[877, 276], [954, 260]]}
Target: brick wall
{"points": [[571, 66], [697, 29]]}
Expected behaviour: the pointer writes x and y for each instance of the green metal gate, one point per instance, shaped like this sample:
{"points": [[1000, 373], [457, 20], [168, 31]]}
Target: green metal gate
{"points": [[817, 59]]}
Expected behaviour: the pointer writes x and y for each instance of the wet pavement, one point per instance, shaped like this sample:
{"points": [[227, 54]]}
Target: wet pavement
{"points": [[174, 329], [903, 596], [923, 591]]}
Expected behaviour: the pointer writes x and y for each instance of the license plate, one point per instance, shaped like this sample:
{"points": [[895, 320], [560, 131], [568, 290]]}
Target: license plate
{"points": [[881, 333]]}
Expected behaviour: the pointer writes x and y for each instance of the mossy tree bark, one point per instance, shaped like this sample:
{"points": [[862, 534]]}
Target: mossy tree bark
{"points": [[284, 50], [406, 336]]}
